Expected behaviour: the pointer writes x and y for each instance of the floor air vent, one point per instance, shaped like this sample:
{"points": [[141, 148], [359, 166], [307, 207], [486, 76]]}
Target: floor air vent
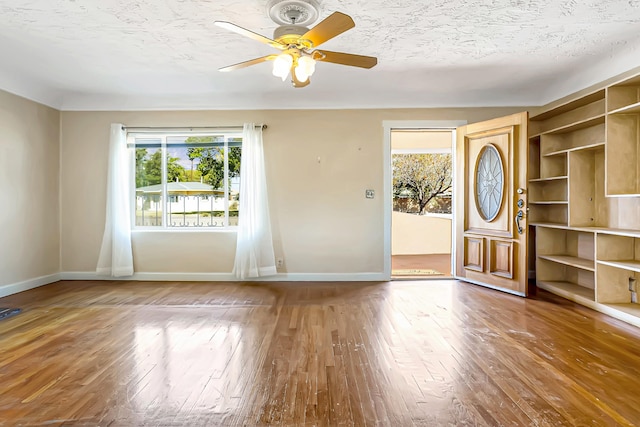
{"points": [[8, 312]]}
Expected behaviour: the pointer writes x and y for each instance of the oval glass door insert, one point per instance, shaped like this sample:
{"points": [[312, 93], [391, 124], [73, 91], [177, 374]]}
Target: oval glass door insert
{"points": [[489, 182]]}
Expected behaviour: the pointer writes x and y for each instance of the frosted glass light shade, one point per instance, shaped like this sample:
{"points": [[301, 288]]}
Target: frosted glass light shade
{"points": [[305, 68], [282, 65]]}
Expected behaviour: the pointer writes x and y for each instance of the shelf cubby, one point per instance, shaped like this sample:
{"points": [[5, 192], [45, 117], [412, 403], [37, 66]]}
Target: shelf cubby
{"points": [[574, 115], [589, 137], [566, 257], [622, 214], [575, 280], [613, 284], [552, 242], [586, 189], [548, 189], [553, 166], [534, 158], [556, 214], [619, 249], [618, 263], [624, 96], [623, 154]]}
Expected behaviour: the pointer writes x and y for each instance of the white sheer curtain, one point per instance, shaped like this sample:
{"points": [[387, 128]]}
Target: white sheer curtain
{"points": [[116, 255], [254, 250]]}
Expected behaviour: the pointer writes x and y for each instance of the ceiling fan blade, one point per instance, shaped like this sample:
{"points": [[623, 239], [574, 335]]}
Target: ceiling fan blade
{"points": [[247, 33], [348, 59], [333, 25], [248, 63]]}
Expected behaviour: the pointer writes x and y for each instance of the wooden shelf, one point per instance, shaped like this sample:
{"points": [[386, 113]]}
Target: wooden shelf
{"points": [[580, 124], [571, 105], [629, 309], [567, 227], [629, 109], [568, 290], [550, 225], [559, 225], [548, 202], [552, 178], [617, 231], [572, 261], [631, 265], [602, 230], [581, 148], [555, 153]]}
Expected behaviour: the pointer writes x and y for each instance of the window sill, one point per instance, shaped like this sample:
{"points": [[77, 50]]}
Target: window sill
{"points": [[186, 230]]}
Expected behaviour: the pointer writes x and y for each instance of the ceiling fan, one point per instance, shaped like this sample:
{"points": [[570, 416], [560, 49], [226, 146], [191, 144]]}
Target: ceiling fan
{"points": [[298, 44]]}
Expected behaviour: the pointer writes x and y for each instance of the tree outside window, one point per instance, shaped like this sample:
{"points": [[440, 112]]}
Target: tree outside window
{"points": [[422, 183]]}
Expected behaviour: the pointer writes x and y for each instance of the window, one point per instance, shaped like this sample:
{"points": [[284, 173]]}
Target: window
{"points": [[186, 180]]}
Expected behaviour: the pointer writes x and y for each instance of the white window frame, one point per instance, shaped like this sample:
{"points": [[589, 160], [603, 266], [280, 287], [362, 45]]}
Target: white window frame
{"points": [[163, 135]]}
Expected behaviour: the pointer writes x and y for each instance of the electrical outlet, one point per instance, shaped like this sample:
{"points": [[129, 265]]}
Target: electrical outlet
{"points": [[280, 262]]}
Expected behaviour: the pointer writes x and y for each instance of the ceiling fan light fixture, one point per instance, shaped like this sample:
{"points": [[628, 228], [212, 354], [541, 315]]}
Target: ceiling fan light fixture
{"points": [[281, 65], [304, 68], [298, 44]]}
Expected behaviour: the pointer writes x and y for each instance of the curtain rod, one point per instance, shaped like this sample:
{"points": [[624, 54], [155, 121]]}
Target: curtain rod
{"points": [[262, 126]]}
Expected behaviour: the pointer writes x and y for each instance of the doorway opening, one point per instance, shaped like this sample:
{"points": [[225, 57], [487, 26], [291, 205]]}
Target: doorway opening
{"points": [[422, 188]]}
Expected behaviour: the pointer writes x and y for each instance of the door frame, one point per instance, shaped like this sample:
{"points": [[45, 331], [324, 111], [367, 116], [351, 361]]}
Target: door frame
{"points": [[387, 199]]}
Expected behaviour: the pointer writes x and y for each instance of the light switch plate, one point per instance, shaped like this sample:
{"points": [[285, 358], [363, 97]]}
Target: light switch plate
{"points": [[369, 194]]}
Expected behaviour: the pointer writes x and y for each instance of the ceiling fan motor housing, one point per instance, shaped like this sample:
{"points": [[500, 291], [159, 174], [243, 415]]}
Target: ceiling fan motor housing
{"points": [[284, 31]]}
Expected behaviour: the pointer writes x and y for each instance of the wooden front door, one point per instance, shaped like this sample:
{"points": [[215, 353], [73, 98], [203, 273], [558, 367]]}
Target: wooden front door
{"points": [[491, 201]]}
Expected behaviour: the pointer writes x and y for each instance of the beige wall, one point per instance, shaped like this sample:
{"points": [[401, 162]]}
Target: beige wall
{"points": [[322, 223], [420, 234], [29, 171], [408, 139]]}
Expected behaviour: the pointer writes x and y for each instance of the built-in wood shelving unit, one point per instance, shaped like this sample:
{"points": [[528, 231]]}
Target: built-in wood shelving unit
{"points": [[584, 192]]}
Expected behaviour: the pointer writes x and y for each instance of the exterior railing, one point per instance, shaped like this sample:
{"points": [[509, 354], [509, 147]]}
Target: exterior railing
{"points": [[194, 211]]}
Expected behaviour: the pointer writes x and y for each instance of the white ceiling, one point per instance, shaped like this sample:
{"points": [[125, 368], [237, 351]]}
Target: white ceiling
{"points": [[152, 54]]}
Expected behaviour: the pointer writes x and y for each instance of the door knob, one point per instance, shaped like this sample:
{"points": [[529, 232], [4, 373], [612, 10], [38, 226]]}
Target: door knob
{"points": [[518, 217]]}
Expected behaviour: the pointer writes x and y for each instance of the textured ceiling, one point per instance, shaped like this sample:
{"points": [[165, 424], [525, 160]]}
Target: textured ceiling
{"points": [[151, 54]]}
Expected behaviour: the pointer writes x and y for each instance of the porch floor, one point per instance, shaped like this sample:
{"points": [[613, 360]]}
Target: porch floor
{"points": [[439, 262]]}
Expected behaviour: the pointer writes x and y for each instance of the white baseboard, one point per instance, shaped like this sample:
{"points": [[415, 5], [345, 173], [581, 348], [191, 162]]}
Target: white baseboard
{"points": [[228, 277], [14, 288]]}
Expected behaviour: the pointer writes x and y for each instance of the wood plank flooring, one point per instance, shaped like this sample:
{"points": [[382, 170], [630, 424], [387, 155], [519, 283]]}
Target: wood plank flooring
{"points": [[311, 354]]}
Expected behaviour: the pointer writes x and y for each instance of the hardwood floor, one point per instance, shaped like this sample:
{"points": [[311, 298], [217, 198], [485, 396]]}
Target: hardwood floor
{"points": [[326, 354]]}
